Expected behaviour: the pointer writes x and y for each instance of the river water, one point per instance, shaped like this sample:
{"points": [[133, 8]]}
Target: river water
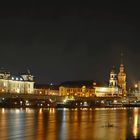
{"points": [[70, 124]]}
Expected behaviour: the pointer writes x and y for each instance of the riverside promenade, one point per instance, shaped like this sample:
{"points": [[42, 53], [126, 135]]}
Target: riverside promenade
{"points": [[34, 100]]}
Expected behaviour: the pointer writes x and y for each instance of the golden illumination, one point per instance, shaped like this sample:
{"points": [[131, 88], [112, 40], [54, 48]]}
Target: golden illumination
{"points": [[94, 83], [135, 123], [3, 110], [136, 85]]}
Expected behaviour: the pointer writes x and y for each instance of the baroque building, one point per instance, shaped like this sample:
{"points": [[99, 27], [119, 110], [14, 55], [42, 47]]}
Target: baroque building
{"points": [[113, 82], [108, 90], [45, 89], [116, 86], [122, 79], [77, 88], [22, 83]]}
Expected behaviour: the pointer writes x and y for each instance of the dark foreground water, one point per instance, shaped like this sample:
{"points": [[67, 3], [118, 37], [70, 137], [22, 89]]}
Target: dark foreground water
{"points": [[68, 124]]}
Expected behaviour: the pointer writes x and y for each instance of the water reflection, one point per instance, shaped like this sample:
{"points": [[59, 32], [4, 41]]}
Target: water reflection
{"points": [[135, 122], [69, 124]]}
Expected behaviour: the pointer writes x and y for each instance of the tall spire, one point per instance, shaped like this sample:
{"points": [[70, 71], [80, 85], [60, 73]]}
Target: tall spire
{"points": [[122, 57], [122, 76]]}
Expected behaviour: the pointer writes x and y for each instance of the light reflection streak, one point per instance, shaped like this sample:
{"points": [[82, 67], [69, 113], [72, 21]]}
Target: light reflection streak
{"points": [[52, 110], [135, 123], [3, 124], [30, 123], [40, 111], [3, 110], [40, 120], [28, 110], [51, 130]]}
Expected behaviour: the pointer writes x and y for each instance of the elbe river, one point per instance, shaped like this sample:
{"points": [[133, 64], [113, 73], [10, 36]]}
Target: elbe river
{"points": [[70, 124]]}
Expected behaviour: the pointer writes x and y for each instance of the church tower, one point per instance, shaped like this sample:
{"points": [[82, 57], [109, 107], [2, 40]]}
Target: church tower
{"points": [[113, 82], [122, 77]]}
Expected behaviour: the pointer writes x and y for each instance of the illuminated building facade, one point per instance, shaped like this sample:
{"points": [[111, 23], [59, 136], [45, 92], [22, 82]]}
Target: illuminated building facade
{"points": [[77, 88], [112, 89], [46, 89], [105, 91], [16, 83]]}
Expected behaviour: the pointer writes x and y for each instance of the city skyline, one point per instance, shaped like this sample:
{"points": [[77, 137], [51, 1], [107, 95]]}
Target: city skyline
{"points": [[62, 41], [69, 70]]}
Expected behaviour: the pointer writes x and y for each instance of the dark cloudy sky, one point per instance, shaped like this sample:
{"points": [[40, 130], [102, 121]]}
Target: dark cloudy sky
{"points": [[71, 40]]}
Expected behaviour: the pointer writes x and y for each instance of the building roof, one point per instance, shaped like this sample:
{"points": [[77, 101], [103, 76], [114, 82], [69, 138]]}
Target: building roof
{"points": [[16, 78], [46, 86], [77, 84]]}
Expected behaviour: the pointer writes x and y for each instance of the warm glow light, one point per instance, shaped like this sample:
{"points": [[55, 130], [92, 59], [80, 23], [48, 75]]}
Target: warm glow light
{"points": [[52, 110], [94, 83], [40, 111], [17, 111], [64, 100], [102, 102], [115, 101], [136, 86], [3, 110], [28, 110], [135, 124]]}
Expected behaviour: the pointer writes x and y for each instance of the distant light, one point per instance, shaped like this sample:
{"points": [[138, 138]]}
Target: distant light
{"points": [[115, 101], [27, 104], [136, 86], [21, 102], [85, 102], [17, 111], [94, 84], [64, 100], [102, 102], [16, 78], [27, 101], [12, 78]]}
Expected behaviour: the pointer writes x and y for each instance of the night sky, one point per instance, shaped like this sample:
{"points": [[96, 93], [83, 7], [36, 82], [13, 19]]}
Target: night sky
{"points": [[62, 41]]}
